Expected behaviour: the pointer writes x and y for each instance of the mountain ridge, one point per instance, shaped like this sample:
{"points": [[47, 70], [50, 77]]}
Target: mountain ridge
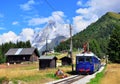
{"points": [[97, 34], [49, 34], [114, 15]]}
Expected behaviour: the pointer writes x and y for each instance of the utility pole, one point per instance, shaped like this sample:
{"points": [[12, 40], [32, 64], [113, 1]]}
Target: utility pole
{"points": [[47, 44], [88, 46], [71, 47], [106, 59]]}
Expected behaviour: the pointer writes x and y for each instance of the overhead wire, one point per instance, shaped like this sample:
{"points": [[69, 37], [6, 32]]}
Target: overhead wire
{"points": [[52, 8], [49, 5]]}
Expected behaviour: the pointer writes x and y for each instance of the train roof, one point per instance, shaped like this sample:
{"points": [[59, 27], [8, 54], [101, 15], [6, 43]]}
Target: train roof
{"points": [[87, 54]]}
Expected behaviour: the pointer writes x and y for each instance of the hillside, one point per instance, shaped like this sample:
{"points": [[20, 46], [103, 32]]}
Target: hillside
{"points": [[112, 74], [97, 34]]}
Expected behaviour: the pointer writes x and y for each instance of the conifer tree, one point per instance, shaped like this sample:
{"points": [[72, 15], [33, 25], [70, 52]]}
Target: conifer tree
{"points": [[114, 45]]}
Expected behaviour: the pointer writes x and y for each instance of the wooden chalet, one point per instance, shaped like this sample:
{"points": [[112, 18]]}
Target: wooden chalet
{"points": [[47, 62], [18, 55], [66, 60]]}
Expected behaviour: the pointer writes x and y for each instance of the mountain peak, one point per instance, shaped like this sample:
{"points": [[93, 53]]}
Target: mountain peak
{"points": [[51, 24], [53, 30], [113, 14]]}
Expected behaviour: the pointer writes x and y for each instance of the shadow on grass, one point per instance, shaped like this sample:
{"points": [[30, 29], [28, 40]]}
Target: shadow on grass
{"points": [[76, 73], [72, 72]]}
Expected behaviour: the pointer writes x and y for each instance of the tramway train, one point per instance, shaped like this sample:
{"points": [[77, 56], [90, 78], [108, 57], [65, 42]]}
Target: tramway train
{"points": [[87, 63]]}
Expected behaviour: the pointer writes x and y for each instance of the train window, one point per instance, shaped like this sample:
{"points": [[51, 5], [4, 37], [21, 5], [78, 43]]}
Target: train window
{"points": [[88, 59], [96, 60], [81, 59]]}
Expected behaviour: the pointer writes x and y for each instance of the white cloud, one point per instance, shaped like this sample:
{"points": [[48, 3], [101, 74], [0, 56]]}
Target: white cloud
{"points": [[7, 37], [79, 3], [37, 21], [82, 11], [100, 7], [26, 34], [56, 16], [27, 6], [82, 3], [92, 10], [15, 23]]}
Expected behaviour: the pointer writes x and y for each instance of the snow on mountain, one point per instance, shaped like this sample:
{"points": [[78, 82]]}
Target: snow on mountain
{"points": [[49, 33]]}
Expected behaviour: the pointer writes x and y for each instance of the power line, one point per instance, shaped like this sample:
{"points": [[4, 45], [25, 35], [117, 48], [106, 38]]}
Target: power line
{"points": [[50, 5], [53, 8]]}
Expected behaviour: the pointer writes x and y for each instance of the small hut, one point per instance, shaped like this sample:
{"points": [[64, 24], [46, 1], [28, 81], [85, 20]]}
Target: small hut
{"points": [[47, 62], [18, 55], [66, 60]]}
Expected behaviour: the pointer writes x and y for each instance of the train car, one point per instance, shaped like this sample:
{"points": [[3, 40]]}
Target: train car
{"points": [[87, 63]]}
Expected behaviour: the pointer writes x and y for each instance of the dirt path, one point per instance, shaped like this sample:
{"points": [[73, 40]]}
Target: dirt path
{"points": [[112, 74]]}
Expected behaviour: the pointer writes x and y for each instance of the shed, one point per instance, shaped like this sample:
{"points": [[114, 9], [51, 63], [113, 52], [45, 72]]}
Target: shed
{"points": [[18, 55], [47, 62], [66, 60]]}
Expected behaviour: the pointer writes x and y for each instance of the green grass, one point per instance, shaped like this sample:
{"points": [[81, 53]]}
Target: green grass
{"points": [[34, 78], [38, 75], [51, 76], [115, 15], [30, 78], [27, 79], [29, 67], [3, 79], [54, 54], [98, 77]]}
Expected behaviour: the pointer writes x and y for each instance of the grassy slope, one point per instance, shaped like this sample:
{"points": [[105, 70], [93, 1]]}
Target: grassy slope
{"points": [[112, 74], [117, 16]]}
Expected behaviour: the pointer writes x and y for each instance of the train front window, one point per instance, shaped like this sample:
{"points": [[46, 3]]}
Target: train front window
{"points": [[81, 59], [88, 59]]}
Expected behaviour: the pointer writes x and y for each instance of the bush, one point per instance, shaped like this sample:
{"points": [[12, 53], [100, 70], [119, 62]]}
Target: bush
{"points": [[4, 80]]}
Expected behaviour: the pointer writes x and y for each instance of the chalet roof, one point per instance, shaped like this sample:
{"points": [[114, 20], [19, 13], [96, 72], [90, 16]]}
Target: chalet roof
{"points": [[21, 51], [48, 57]]}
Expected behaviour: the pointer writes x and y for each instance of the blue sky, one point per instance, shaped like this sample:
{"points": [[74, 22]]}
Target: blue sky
{"points": [[20, 18], [15, 14]]}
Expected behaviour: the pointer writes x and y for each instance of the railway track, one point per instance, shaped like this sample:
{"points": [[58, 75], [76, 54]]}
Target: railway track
{"points": [[69, 80], [73, 79]]}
